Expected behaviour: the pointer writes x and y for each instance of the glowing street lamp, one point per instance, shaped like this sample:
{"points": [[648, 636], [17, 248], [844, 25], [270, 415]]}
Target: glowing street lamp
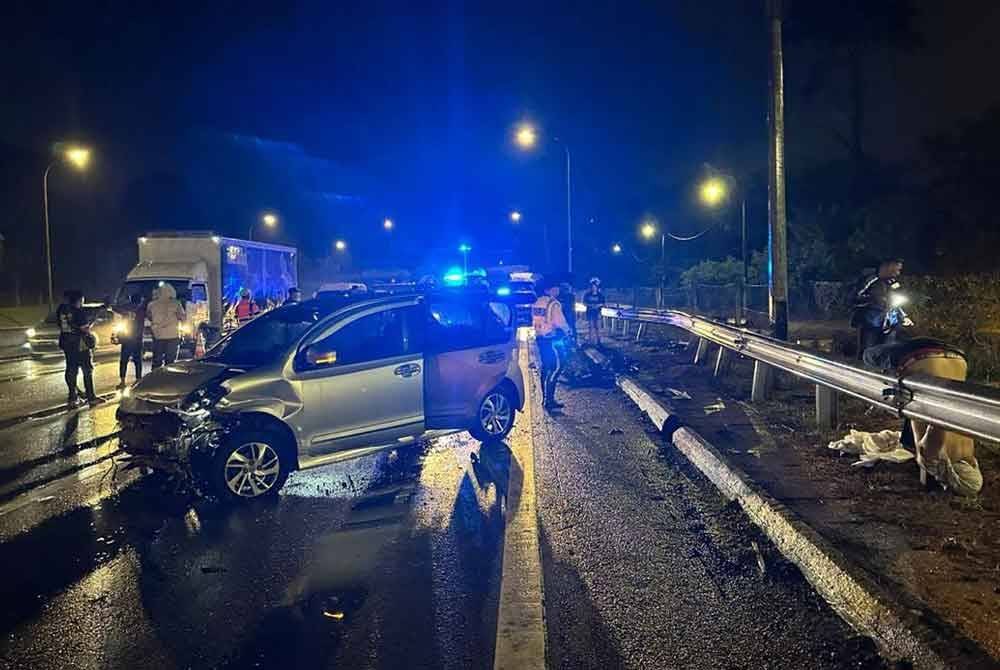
{"points": [[713, 191], [78, 157], [388, 224], [515, 216], [526, 137], [648, 230], [616, 248], [268, 219], [340, 245]]}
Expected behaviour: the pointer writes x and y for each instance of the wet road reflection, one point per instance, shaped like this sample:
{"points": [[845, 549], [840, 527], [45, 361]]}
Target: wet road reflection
{"points": [[391, 560]]}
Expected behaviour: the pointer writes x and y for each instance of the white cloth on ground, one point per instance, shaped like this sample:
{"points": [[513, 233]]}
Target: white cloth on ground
{"points": [[872, 447]]}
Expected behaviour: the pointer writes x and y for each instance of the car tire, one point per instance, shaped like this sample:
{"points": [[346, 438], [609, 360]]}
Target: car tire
{"points": [[494, 416], [249, 465]]}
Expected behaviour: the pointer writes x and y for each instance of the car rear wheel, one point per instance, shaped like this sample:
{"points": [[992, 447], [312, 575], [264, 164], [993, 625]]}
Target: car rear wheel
{"points": [[249, 465], [495, 416]]}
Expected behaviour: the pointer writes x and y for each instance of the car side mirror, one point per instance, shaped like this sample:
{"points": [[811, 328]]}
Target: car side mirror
{"points": [[317, 357]]}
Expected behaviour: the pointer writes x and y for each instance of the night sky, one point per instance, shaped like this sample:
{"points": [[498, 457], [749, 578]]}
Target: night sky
{"points": [[338, 116]]}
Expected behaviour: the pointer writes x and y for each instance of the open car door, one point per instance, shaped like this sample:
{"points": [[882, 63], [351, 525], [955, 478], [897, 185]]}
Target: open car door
{"points": [[470, 345]]}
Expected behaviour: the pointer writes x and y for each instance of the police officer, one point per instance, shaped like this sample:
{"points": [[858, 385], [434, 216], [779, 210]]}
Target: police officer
{"points": [[567, 298], [873, 306], [76, 342], [129, 336], [594, 300], [550, 325]]}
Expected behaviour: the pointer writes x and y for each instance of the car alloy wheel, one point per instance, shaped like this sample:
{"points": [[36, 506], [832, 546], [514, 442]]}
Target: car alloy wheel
{"points": [[252, 469], [495, 414]]}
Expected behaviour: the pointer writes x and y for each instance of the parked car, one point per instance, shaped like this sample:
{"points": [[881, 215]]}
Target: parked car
{"points": [[324, 381], [43, 337]]}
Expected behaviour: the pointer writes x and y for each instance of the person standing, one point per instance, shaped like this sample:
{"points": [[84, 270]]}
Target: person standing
{"points": [[550, 325], [594, 300], [294, 296], [872, 306], [165, 316], [567, 298], [246, 308], [130, 334], [77, 343]]}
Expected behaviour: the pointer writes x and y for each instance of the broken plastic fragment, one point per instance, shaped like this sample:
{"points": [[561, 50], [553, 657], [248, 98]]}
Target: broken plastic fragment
{"points": [[337, 615]]}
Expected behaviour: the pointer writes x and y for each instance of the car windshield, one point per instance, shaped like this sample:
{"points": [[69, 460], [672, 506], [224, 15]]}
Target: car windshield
{"points": [[267, 337]]}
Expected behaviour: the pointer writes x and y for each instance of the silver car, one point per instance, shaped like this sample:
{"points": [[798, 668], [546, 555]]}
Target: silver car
{"points": [[320, 382]]}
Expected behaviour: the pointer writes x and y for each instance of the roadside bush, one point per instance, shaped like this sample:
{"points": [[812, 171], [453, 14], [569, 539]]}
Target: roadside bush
{"points": [[962, 310]]}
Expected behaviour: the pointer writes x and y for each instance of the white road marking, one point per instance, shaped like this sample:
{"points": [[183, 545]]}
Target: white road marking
{"points": [[520, 638]]}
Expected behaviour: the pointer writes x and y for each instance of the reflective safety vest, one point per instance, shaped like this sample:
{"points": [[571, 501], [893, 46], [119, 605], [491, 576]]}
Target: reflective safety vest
{"points": [[547, 316], [246, 309]]}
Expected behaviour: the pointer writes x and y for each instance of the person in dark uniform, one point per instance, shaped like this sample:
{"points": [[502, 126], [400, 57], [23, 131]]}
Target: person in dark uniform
{"points": [[873, 304], [129, 335], [567, 298], [294, 296], [77, 344]]}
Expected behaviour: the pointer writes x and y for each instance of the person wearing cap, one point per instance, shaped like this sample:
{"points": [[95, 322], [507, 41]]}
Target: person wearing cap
{"points": [[246, 308], [594, 301], [873, 305], [550, 324]]}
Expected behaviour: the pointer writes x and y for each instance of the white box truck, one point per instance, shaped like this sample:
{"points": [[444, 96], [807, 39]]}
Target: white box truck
{"points": [[208, 272]]}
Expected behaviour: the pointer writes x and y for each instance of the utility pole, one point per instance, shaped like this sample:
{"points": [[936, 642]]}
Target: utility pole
{"points": [[777, 231]]}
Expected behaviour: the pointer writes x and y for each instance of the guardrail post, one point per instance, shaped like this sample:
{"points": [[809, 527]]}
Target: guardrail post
{"points": [[761, 382], [638, 331], [826, 408], [701, 351], [721, 361]]}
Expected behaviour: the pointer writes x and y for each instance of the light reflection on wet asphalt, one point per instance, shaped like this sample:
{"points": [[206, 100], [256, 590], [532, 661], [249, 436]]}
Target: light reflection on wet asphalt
{"points": [[390, 560]]}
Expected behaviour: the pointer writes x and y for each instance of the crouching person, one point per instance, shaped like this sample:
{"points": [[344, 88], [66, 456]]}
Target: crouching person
{"points": [[947, 456]]}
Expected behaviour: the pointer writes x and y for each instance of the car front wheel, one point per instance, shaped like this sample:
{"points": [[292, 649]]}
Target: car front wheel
{"points": [[495, 416], [249, 465]]}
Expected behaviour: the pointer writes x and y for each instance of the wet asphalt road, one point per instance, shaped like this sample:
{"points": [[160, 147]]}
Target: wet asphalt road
{"points": [[394, 561]]}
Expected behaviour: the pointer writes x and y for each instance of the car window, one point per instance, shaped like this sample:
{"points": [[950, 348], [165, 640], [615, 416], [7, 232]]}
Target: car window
{"points": [[455, 325], [385, 334], [264, 339]]}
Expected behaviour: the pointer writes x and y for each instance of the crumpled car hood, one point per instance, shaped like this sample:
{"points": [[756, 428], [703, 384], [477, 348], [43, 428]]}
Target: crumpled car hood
{"points": [[170, 385]]}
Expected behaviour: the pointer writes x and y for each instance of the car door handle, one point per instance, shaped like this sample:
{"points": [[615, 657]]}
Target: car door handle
{"points": [[491, 357], [407, 370]]}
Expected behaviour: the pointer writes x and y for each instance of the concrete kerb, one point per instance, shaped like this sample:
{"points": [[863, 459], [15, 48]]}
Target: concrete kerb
{"points": [[863, 605]]}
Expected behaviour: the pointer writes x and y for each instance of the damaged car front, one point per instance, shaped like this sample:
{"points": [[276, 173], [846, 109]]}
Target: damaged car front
{"points": [[175, 418], [170, 420]]}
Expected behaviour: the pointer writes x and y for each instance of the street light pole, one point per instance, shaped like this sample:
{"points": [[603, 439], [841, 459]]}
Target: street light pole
{"points": [[746, 259], [569, 212], [48, 242], [777, 231]]}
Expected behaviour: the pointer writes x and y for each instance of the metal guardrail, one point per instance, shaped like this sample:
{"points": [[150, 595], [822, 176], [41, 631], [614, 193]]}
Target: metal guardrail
{"points": [[962, 407]]}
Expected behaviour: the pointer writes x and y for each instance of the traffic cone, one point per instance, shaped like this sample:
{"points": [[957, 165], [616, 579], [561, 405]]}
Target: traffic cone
{"points": [[199, 344]]}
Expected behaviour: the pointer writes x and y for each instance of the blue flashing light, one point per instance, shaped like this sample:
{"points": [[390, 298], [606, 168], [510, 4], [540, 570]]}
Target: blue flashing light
{"points": [[465, 247], [503, 290], [454, 277]]}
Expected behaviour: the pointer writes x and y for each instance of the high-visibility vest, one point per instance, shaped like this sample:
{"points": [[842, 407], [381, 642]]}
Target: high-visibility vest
{"points": [[542, 315], [246, 309]]}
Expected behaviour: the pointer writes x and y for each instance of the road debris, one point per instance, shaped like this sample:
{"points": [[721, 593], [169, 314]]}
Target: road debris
{"points": [[872, 447], [715, 407], [760, 557], [678, 395]]}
